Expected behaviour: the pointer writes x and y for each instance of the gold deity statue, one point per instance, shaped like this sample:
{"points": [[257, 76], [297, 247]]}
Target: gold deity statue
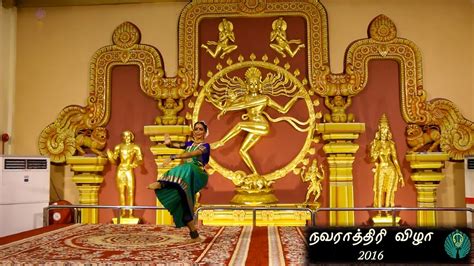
{"points": [[252, 95], [278, 41], [314, 176], [130, 156], [226, 35], [387, 173], [170, 112], [338, 107]]}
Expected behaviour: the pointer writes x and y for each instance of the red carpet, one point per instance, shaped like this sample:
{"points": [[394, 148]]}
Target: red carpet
{"points": [[152, 244]]}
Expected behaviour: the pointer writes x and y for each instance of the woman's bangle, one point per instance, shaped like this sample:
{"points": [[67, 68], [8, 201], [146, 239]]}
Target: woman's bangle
{"points": [[172, 157]]}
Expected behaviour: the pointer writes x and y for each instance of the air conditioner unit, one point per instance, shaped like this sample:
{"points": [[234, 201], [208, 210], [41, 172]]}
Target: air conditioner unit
{"points": [[24, 193], [469, 184]]}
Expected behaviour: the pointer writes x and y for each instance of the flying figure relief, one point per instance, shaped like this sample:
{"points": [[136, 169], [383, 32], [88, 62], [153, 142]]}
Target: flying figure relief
{"points": [[222, 46], [279, 42]]}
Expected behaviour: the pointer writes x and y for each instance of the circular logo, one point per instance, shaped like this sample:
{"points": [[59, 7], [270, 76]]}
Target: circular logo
{"points": [[457, 245]]}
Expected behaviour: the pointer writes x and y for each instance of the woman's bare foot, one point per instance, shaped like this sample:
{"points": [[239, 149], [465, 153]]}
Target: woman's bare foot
{"points": [[195, 237], [154, 186]]}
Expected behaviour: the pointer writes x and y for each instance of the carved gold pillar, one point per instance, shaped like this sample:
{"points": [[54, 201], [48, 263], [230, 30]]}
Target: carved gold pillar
{"points": [[340, 148], [88, 178], [426, 173], [178, 134]]}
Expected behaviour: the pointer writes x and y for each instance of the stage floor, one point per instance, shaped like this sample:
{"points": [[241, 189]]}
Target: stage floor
{"points": [[102, 244]]}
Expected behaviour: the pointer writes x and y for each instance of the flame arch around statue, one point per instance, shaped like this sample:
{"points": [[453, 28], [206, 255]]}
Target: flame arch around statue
{"points": [[225, 89]]}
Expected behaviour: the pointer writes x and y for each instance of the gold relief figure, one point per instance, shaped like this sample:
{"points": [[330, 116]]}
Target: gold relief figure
{"points": [[94, 140], [252, 182], [226, 35], [251, 95], [170, 112], [417, 138], [278, 41], [314, 175], [130, 156], [338, 107], [387, 173]]}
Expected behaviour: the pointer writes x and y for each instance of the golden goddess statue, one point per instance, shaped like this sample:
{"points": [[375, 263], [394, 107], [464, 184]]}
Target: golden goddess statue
{"points": [[252, 95], [130, 156], [387, 173]]}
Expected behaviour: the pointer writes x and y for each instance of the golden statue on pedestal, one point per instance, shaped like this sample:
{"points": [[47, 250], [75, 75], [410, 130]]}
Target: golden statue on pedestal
{"points": [[278, 41], [387, 173], [226, 34], [170, 112], [315, 176], [338, 107], [254, 94], [130, 156], [250, 95]]}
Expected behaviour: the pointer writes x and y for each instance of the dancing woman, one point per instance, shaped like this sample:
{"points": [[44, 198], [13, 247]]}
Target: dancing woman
{"points": [[177, 188]]}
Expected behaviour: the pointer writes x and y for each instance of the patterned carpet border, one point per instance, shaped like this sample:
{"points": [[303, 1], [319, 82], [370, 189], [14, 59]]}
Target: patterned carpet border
{"points": [[102, 244]]}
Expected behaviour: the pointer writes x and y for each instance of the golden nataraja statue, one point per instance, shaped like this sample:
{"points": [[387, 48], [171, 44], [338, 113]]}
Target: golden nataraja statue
{"points": [[130, 156], [252, 95], [387, 173]]}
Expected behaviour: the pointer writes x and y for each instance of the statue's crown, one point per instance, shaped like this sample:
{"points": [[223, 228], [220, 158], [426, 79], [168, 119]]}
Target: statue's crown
{"points": [[384, 120], [252, 72]]}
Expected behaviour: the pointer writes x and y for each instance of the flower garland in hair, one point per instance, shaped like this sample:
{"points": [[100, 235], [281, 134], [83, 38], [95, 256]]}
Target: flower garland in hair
{"points": [[205, 127]]}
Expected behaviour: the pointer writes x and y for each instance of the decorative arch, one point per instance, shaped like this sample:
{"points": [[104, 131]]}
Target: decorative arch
{"points": [[57, 140], [457, 133]]}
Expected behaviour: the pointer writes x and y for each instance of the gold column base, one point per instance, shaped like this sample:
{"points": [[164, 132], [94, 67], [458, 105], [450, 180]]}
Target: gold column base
{"points": [[88, 179], [254, 197], [127, 220], [340, 149], [263, 217], [385, 221], [426, 173], [156, 133]]}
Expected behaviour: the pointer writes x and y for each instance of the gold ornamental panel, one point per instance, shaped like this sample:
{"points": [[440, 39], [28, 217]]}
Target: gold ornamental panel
{"points": [[457, 133], [312, 11], [58, 140]]}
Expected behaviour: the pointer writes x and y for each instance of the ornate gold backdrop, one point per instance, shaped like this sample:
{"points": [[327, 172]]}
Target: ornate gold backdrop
{"points": [[203, 17]]}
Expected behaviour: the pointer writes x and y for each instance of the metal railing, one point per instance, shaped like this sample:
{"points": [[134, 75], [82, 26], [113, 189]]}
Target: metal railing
{"points": [[394, 210], [254, 209]]}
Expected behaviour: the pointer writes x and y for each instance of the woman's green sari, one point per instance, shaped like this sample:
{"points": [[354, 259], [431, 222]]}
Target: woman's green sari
{"points": [[181, 183]]}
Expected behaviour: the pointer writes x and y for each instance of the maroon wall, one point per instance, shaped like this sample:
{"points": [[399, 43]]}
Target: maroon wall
{"points": [[131, 109], [381, 95]]}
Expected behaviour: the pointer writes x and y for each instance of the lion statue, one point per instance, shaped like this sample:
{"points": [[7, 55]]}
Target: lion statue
{"points": [[94, 140], [418, 137]]}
